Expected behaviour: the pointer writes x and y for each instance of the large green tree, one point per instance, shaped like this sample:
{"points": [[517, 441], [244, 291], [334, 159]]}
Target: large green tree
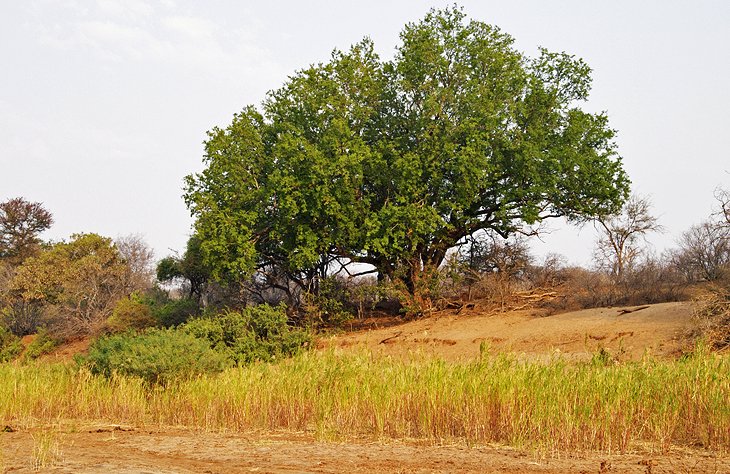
{"points": [[391, 163]]}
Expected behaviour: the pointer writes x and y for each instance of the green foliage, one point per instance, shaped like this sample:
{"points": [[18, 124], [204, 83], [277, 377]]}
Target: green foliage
{"points": [[202, 345], [370, 295], [424, 293], [43, 343], [77, 283], [10, 345], [149, 309], [174, 312], [168, 269], [327, 305], [158, 356], [603, 358], [131, 313], [190, 268], [391, 163], [254, 333]]}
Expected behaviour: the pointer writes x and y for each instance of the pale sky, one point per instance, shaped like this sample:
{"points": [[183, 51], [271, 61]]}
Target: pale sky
{"points": [[104, 104]]}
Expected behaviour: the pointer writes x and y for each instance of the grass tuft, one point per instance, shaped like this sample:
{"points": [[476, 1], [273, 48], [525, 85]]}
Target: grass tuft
{"points": [[46, 451]]}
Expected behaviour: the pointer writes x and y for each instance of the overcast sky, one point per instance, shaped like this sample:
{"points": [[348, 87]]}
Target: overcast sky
{"points": [[104, 104]]}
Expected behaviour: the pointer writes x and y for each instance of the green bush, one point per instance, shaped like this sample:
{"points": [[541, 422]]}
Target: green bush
{"points": [[132, 312], [202, 345], [43, 343], [254, 333], [327, 307], [10, 345], [158, 356], [175, 312]]}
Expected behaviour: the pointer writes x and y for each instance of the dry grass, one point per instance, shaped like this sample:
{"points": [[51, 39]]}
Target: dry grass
{"points": [[46, 450], [712, 314], [551, 407]]}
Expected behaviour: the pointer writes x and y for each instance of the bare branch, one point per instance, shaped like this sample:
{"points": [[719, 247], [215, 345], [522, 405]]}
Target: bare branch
{"points": [[618, 248]]}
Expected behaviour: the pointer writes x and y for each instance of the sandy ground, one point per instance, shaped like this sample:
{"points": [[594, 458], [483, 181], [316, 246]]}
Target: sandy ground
{"points": [[659, 330], [106, 450]]}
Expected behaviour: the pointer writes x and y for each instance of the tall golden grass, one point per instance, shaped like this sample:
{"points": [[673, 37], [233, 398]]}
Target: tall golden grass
{"points": [[552, 407]]}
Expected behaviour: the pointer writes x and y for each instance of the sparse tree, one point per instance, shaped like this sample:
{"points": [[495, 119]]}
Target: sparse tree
{"points": [[20, 224], [490, 253], [704, 252], [619, 245], [498, 260], [723, 198], [137, 255]]}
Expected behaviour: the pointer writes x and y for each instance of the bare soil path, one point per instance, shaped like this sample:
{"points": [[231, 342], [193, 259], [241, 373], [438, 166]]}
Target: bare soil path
{"points": [[107, 450]]}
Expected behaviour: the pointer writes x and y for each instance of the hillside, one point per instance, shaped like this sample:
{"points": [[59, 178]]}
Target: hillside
{"points": [[661, 330]]}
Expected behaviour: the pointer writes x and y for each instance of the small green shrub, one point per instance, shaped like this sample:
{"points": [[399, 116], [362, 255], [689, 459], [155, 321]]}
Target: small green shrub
{"points": [[132, 312], [10, 345], [254, 333], [202, 345], [42, 344], [158, 356], [603, 358]]}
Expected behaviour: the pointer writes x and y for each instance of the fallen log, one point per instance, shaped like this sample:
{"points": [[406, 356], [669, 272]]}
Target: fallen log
{"points": [[385, 341], [623, 311], [536, 296]]}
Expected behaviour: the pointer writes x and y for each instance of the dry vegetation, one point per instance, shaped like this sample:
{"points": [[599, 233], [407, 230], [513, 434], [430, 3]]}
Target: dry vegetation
{"points": [[552, 407], [713, 317], [135, 374]]}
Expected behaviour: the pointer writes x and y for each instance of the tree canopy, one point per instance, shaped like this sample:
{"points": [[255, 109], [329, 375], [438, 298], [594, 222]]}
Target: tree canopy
{"points": [[393, 162], [189, 268], [20, 223], [76, 283]]}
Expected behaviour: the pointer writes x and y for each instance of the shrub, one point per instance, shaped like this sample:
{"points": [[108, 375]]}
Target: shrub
{"points": [[712, 314], [22, 317], [368, 294], [174, 312], [10, 345], [43, 343], [158, 356], [202, 345], [131, 312], [254, 333], [77, 284], [327, 307]]}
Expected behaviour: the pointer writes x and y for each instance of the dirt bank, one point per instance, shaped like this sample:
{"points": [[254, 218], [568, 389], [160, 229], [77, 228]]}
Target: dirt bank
{"points": [[660, 330]]}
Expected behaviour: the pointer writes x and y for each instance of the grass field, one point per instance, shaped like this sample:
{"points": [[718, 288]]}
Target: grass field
{"points": [[550, 407]]}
